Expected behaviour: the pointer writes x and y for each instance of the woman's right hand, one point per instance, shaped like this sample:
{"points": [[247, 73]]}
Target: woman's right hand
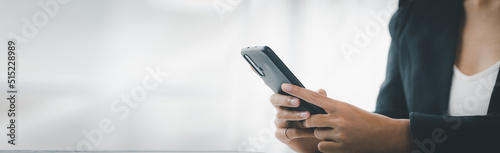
{"points": [[300, 139]]}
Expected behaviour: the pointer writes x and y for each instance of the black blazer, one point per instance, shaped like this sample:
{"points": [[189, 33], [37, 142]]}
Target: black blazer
{"points": [[418, 80]]}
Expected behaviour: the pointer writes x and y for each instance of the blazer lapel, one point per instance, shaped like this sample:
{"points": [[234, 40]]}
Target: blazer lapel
{"points": [[494, 106], [429, 45]]}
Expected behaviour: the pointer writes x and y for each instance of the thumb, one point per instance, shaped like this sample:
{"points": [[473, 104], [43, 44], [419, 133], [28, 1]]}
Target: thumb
{"points": [[321, 91]]}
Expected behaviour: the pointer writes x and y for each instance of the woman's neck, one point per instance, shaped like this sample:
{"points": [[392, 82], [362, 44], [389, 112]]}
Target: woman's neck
{"points": [[482, 3], [479, 45]]}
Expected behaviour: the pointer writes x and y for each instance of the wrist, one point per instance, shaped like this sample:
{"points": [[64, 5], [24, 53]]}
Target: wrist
{"points": [[403, 136]]}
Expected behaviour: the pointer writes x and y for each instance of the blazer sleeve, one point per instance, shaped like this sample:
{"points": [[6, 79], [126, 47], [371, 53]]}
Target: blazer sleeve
{"points": [[391, 99], [439, 133]]}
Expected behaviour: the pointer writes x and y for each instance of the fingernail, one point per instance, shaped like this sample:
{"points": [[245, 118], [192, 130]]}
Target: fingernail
{"points": [[294, 101], [303, 114], [287, 87]]}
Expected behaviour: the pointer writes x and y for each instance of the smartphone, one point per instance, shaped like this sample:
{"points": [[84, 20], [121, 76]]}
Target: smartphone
{"points": [[274, 73]]}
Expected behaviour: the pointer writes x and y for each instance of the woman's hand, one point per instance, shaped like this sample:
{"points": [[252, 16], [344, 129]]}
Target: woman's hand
{"points": [[300, 139], [346, 128]]}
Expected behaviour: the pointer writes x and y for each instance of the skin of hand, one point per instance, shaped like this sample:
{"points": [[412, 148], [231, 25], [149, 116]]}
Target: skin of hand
{"points": [[301, 139], [346, 128]]}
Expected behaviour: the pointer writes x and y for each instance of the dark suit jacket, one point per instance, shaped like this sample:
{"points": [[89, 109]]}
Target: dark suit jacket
{"points": [[418, 80]]}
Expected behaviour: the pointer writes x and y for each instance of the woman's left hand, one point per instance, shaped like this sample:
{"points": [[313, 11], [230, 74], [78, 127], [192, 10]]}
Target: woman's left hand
{"points": [[346, 128]]}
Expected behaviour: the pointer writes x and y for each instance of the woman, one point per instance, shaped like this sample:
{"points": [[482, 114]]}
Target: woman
{"points": [[441, 92]]}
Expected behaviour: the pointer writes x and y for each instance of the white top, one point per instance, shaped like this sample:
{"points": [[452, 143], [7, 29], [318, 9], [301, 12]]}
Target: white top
{"points": [[470, 94]]}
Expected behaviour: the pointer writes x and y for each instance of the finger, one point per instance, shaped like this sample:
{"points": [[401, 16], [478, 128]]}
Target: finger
{"points": [[288, 124], [289, 115], [310, 96], [322, 91], [293, 133], [326, 134], [329, 146], [284, 101], [319, 120]]}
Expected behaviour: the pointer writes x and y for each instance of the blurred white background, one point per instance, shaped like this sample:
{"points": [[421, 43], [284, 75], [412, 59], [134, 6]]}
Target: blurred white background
{"points": [[90, 53]]}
